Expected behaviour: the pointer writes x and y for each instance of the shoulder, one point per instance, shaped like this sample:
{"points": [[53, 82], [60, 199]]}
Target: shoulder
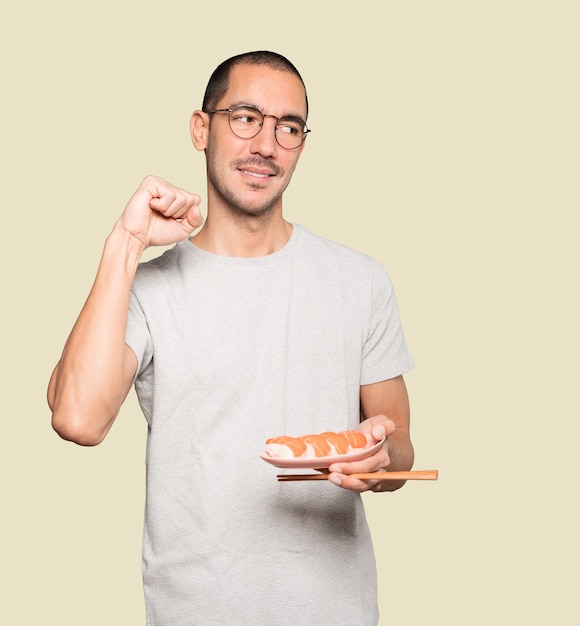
{"points": [[159, 268], [332, 248], [342, 257]]}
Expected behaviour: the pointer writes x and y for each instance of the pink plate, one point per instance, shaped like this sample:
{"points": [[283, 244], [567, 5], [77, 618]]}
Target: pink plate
{"points": [[321, 462]]}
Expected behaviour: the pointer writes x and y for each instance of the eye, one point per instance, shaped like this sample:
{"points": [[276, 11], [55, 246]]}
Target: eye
{"points": [[290, 127], [246, 117]]}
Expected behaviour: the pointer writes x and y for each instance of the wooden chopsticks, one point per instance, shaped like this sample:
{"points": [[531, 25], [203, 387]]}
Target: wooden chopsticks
{"points": [[411, 475]]}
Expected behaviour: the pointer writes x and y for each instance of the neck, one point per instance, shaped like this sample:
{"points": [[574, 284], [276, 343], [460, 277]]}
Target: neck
{"points": [[243, 235]]}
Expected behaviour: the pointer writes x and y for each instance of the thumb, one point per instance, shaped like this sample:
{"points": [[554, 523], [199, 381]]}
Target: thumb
{"points": [[382, 429], [193, 218]]}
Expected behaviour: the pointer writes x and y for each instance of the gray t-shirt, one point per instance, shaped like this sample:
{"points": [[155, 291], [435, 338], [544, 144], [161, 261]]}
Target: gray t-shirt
{"points": [[232, 351]]}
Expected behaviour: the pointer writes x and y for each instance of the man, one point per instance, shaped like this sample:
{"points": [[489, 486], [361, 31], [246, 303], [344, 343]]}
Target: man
{"points": [[251, 328]]}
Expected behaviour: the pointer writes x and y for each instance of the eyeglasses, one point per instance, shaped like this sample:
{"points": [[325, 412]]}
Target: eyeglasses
{"points": [[246, 122]]}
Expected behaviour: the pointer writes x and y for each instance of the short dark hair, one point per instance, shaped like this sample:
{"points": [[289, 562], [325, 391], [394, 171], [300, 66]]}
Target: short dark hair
{"points": [[219, 81]]}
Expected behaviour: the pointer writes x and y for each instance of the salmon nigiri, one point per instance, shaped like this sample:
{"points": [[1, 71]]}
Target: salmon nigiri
{"points": [[355, 439], [285, 447], [338, 442], [316, 445]]}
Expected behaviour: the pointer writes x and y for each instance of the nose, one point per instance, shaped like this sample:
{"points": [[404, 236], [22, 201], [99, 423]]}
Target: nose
{"points": [[264, 143]]}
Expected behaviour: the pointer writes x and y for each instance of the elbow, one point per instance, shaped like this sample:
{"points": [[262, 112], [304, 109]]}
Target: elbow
{"points": [[78, 420], [77, 430]]}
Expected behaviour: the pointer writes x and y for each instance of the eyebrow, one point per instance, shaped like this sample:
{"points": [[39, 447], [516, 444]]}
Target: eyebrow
{"points": [[291, 116]]}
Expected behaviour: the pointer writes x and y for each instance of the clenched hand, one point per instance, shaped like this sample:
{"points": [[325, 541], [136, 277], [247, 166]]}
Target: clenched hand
{"points": [[160, 214]]}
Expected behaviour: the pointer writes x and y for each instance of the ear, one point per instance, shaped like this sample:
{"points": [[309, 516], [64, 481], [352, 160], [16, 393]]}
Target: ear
{"points": [[199, 128]]}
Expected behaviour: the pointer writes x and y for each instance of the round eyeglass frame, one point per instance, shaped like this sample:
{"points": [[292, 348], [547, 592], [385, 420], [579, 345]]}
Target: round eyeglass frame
{"points": [[230, 110]]}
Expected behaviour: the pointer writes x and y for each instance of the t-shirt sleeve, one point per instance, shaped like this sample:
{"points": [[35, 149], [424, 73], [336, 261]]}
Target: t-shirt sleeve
{"points": [[385, 351], [137, 336]]}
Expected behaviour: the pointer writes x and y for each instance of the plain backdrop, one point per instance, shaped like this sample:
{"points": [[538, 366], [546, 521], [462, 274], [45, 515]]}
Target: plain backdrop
{"points": [[445, 143]]}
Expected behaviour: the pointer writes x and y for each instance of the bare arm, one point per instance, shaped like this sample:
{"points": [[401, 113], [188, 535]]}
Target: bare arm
{"points": [[95, 372], [385, 411]]}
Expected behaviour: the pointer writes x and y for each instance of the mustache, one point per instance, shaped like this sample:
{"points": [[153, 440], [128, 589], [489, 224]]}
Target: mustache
{"points": [[272, 168]]}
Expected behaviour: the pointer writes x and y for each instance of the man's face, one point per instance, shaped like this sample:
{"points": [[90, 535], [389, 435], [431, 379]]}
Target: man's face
{"points": [[249, 175]]}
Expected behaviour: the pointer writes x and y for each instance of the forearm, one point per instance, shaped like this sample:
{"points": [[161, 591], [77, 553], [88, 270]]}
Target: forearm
{"points": [[89, 383], [401, 455], [385, 410]]}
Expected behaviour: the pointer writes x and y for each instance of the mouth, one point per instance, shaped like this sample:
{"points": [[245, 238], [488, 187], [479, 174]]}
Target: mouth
{"points": [[257, 170], [254, 173]]}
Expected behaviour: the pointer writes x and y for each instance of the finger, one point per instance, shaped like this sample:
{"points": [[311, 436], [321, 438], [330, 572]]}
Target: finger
{"points": [[353, 484], [192, 218], [172, 203], [375, 463], [379, 431], [161, 193], [167, 198], [379, 427]]}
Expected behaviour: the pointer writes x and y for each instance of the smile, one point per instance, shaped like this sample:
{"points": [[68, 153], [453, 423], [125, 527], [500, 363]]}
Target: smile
{"points": [[256, 174]]}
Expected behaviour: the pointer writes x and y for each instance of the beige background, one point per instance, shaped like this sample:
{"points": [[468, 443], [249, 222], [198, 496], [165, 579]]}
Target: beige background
{"points": [[446, 143]]}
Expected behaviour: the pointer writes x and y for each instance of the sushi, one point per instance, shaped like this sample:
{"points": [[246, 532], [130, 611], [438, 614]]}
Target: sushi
{"points": [[285, 447], [314, 446]]}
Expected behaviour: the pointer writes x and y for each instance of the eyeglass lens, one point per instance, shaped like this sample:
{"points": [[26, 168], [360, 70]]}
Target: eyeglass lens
{"points": [[246, 123]]}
